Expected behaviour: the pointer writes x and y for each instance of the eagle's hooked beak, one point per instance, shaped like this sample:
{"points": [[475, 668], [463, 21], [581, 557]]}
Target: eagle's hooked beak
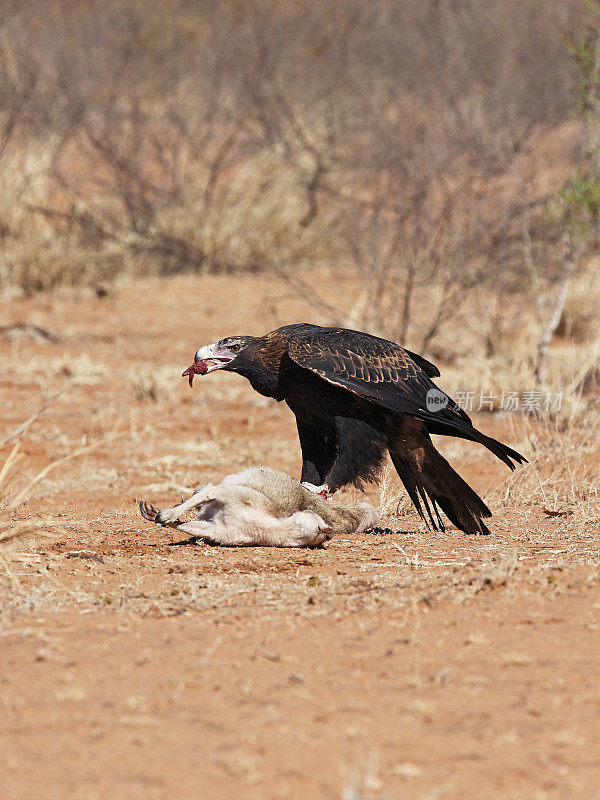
{"points": [[207, 359]]}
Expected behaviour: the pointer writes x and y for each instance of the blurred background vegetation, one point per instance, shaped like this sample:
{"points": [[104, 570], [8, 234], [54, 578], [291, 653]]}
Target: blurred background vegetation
{"points": [[444, 153]]}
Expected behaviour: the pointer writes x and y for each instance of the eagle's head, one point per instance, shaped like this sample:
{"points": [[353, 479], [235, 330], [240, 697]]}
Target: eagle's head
{"points": [[219, 355]]}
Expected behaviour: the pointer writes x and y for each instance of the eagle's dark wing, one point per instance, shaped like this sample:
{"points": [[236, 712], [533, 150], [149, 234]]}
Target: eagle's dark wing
{"points": [[389, 376], [373, 368]]}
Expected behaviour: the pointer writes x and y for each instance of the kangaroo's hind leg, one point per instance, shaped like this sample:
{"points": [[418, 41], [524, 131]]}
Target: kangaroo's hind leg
{"points": [[250, 527], [170, 516]]}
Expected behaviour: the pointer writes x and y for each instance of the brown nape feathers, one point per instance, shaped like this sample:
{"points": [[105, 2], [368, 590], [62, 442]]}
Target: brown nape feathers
{"points": [[262, 506]]}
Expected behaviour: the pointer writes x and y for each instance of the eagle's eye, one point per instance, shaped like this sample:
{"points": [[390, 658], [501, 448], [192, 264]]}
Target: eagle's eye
{"points": [[234, 347]]}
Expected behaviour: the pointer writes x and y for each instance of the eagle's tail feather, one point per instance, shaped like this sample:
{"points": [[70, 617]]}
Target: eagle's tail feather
{"points": [[501, 451], [457, 427], [429, 479]]}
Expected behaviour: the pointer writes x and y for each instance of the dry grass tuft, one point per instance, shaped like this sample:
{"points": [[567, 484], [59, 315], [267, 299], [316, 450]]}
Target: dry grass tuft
{"points": [[11, 499], [580, 321], [9, 502], [155, 385], [364, 782], [562, 474], [392, 500]]}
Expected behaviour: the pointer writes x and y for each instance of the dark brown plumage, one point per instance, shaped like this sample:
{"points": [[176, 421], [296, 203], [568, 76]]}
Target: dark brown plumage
{"points": [[356, 397]]}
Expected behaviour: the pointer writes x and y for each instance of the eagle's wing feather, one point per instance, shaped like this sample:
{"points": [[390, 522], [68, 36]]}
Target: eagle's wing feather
{"points": [[372, 368]]}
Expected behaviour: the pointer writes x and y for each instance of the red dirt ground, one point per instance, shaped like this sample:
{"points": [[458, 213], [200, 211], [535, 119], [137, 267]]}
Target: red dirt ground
{"points": [[415, 665]]}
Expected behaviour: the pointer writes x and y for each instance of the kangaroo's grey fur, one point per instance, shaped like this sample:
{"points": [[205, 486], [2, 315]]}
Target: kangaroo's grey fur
{"points": [[262, 506]]}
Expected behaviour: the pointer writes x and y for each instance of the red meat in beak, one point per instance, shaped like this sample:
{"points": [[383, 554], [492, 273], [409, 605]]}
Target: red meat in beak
{"points": [[197, 368]]}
